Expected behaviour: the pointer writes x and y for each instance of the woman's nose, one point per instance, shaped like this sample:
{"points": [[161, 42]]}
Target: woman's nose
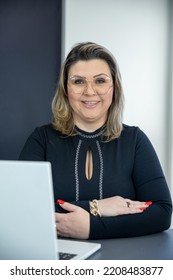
{"points": [[89, 88]]}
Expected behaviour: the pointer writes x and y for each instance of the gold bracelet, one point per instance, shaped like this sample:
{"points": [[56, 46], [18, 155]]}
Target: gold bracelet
{"points": [[94, 208]]}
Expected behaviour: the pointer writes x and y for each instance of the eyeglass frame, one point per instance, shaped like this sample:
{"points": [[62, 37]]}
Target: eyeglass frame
{"points": [[91, 81]]}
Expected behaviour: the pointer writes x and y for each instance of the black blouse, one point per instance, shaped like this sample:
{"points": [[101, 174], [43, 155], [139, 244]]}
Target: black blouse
{"points": [[127, 166]]}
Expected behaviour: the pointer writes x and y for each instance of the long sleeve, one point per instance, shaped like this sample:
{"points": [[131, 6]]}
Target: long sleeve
{"points": [[36, 148], [150, 185]]}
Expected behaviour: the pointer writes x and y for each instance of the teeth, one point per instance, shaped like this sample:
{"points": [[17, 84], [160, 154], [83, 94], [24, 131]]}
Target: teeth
{"points": [[90, 102]]}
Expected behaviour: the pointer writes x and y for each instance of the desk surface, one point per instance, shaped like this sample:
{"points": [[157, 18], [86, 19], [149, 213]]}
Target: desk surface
{"points": [[150, 247]]}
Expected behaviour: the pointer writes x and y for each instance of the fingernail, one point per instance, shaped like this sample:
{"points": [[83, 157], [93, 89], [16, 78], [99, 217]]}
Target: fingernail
{"points": [[60, 201], [148, 202], [143, 208]]}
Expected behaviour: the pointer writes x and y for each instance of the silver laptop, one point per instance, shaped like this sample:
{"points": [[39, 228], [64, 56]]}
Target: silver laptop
{"points": [[27, 221]]}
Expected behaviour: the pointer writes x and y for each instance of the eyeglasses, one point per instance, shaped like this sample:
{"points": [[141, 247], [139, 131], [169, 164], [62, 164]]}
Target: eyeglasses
{"points": [[100, 84]]}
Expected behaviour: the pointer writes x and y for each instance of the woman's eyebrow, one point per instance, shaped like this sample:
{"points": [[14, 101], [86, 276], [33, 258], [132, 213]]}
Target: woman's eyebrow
{"points": [[78, 76], [100, 75], [97, 75]]}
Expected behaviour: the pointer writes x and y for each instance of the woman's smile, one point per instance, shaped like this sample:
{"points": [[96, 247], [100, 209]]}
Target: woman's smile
{"points": [[90, 104]]}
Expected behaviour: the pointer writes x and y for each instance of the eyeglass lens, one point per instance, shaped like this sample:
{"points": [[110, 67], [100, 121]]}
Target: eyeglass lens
{"points": [[99, 84]]}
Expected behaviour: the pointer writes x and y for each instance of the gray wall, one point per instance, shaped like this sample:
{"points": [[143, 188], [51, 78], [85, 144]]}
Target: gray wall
{"points": [[30, 57]]}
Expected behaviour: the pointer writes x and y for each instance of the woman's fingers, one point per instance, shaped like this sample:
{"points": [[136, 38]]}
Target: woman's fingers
{"points": [[137, 204]]}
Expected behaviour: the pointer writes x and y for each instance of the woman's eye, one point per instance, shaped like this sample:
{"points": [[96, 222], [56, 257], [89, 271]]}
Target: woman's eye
{"points": [[100, 81], [79, 81]]}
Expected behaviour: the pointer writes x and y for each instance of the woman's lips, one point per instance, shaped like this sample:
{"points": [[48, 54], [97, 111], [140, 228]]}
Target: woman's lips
{"points": [[90, 104]]}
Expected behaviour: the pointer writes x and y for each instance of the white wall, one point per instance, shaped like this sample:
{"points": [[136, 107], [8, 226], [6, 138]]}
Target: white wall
{"points": [[170, 101], [136, 32]]}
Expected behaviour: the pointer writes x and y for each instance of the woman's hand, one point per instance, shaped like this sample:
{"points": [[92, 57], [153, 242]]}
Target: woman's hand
{"points": [[117, 205], [75, 223]]}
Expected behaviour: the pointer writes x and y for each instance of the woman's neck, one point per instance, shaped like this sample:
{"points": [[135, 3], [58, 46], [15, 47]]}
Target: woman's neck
{"points": [[89, 127]]}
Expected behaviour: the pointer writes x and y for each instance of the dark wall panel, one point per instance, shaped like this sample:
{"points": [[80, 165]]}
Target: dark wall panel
{"points": [[30, 57]]}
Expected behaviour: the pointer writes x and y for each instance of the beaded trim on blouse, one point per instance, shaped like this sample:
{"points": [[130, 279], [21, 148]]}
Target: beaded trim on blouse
{"points": [[89, 136]]}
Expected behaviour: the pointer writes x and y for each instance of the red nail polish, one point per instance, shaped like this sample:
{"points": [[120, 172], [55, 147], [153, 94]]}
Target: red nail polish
{"points": [[142, 208], [148, 202], [60, 201]]}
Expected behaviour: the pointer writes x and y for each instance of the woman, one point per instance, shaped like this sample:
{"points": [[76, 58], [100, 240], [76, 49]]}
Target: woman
{"points": [[107, 178]]}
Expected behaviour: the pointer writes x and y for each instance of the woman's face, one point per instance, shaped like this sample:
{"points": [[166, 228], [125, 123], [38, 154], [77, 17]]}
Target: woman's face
{"points": [[90, 108]]}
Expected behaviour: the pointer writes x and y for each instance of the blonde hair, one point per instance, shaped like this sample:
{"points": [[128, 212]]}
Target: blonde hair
{"points": [[62, 111]]}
